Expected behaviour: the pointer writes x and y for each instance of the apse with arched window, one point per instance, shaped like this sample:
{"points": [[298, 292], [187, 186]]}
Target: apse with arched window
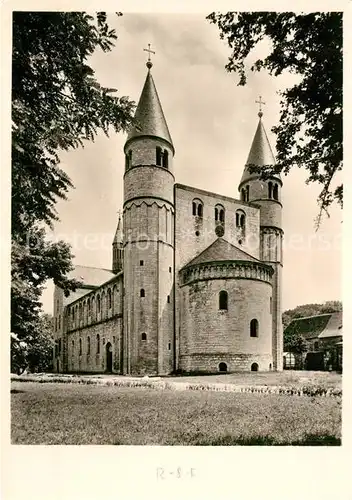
{"points": [[254, 328], [223, 300]]}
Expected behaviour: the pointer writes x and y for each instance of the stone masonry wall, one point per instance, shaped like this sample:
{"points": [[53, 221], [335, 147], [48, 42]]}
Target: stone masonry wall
{"points": [[208, 334]]}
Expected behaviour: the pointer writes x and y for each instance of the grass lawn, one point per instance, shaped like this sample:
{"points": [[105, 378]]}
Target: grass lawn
{"points": [[86, 414], [290, 378]]}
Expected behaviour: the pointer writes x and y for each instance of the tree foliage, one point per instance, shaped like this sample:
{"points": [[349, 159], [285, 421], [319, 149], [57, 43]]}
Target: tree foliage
{"points": [[34, 354], [309, 134], [57, 104]]}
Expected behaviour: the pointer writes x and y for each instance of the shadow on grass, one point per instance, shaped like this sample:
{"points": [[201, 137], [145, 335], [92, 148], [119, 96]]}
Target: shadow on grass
{"points": [[309, 440]]}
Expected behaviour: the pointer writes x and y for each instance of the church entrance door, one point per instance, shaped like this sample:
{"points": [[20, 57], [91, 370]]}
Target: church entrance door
{"points": [[109, 357]]}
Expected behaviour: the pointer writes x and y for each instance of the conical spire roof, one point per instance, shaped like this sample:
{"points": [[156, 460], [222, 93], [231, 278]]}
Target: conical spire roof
{"points": [[118, 238], [149, 114], [260, 153]]}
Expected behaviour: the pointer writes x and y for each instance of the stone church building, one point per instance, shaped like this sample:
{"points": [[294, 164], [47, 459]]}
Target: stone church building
{"points": [[196, 277]]}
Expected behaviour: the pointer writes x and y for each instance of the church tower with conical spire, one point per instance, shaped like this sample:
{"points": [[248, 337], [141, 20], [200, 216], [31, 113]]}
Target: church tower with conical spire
{"points": [[267, 194], [117, 249], [148, 221]]}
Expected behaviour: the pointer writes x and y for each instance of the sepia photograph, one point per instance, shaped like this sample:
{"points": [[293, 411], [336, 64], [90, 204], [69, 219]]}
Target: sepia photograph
{"points": [[176, 229]]}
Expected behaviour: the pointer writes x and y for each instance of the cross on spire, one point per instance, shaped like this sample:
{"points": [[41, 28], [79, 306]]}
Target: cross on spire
{"points": [[260, 102], [149, 62]]}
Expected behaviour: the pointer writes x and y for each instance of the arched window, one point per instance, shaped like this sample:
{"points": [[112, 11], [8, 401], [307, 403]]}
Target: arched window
{"points": [[130, 158], [79, 312], [223, 367], [166, 159], [223, 300], [254, 367], [243, 194], [88, 307], [73, 313], [98, 304], [73, 347], [103, 303], [144, 336], [197, 208], [142, 293], [247, 193], [98, 343], [80, 347], [276, 192], [240, 219], [270, 190], [270, 367], [109, 299], [254, 327], [316, 346], [88, 345], [219, 213], [271, 305], [158, 156], [93, 305]]}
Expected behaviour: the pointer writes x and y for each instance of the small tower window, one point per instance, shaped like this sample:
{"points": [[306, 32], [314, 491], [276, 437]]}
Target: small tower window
{"points": [[276, 192], [73, 346], [223, 299], [194, 208], [168, 299], [169, 346], [271, 305], [247, 193], [88, 345], [216, 214], [254, 328], [142, 293], [158, 156], [243, 194], [144, 336], [80, 347], [130, 158], [270, 190], [141, 262], [98, 343], [166, 159], [170, 269]]}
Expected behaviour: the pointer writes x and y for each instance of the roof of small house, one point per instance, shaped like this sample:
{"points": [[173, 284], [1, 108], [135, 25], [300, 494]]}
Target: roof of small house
{"points": [[221, 250], [319, 326], [91, 276]]}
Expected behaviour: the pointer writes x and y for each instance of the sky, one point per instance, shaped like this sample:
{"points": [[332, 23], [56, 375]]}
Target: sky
{"points": [[212, 122]]}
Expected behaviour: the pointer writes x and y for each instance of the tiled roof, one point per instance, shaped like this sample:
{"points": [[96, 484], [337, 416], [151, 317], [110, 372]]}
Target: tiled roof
{"points": [[334, 326], [311, 327], [149, 114], [91, 276], [260, 153], [221, 250]]}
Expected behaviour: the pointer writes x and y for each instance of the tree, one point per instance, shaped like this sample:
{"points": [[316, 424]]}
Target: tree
{"points": [[57, 104], [309, 134], [35, 354]]}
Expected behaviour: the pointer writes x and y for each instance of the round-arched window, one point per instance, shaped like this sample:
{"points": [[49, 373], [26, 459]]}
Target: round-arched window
{"points": [[223, 367], [254, 367]]}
